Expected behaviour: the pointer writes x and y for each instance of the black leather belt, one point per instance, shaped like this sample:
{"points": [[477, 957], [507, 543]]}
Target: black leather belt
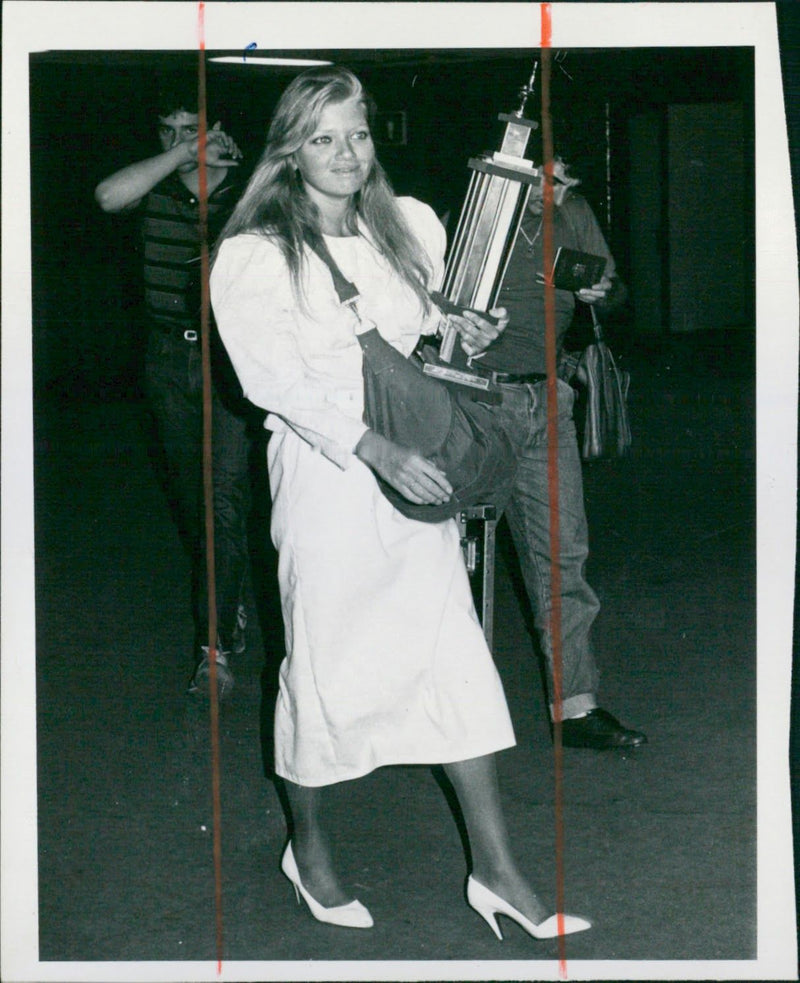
{"points": [[512, 379], [176, 331]]}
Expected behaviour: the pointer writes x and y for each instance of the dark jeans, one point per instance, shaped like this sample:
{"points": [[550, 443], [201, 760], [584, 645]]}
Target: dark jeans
{"points": [[174, 389], [524, 414]]}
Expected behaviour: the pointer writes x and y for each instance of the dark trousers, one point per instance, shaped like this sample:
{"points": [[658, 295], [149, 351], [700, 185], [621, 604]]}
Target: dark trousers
{"points": [[174, 390]]}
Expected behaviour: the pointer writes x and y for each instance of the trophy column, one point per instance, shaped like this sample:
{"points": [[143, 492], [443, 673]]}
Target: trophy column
{"points": [[495, 204]]}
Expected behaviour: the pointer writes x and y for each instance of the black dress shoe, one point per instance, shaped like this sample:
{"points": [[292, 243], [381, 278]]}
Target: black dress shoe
{"points": [[599, 730]]}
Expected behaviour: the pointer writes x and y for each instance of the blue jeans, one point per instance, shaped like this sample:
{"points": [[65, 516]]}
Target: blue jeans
{"points": [[174, 390], [524, 415]]}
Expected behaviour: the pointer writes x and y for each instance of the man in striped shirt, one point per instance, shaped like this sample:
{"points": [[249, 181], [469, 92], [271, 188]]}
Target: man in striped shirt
{"points": [[165, 189]]}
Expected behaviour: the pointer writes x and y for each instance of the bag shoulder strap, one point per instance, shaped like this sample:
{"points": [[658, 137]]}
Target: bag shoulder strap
{"points": [[346, 291], [598, 327]]}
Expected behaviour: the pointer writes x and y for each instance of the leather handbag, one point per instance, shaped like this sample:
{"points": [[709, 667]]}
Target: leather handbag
{"points": [[606, 431], [443, 421]]}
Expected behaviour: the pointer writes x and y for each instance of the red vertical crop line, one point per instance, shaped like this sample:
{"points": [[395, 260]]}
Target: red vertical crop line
{"points": [[548, 250], [208, 481]]}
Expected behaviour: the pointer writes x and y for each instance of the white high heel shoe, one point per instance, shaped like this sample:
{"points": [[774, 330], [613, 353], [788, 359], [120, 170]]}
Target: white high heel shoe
{"points": [[352, 915], [489, 905]]}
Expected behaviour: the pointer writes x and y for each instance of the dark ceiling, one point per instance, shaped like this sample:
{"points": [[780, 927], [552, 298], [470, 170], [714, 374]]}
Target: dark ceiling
{"points": [[670, 74]]}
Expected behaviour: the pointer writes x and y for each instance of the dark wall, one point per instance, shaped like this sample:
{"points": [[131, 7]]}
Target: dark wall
{"points": [[91, 114]]}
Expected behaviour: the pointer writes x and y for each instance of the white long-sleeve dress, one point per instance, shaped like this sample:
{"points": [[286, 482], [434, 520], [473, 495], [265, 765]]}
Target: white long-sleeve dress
{"points": [[386, 662]]}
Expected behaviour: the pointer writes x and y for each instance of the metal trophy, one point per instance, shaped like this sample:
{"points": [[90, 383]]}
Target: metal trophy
{"points": [[487, 230], [489, 223]]}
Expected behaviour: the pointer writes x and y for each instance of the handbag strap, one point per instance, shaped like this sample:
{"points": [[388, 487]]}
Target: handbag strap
{"points": [[598, 327], [346, 291]]}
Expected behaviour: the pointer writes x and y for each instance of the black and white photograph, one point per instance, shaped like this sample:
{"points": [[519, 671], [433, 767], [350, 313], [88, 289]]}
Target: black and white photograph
{"points": [[399, 408]]}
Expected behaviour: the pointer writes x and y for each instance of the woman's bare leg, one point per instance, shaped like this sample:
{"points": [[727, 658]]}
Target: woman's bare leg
{"points": [[311, 847], [493, 864]]}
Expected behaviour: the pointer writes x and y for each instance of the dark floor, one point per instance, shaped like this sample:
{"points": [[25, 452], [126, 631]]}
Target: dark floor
{"points": [[660, 844]]}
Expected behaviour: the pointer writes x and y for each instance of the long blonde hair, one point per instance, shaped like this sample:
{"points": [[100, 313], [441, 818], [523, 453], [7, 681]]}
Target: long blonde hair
{"points": [[274, 203]]}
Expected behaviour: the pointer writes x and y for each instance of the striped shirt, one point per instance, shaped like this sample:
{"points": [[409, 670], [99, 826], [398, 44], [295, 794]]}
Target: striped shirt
{"points": [[171, 240]]}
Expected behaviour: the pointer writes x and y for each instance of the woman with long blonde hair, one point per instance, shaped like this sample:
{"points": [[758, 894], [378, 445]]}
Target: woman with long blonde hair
{"points": [[385, 661]]}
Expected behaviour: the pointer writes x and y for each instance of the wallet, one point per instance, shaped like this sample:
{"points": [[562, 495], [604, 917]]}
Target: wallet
{"points": [[574, 269]]}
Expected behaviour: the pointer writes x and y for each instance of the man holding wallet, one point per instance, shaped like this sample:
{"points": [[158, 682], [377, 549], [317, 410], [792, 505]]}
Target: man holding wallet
{"points": [[516, 362]]}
